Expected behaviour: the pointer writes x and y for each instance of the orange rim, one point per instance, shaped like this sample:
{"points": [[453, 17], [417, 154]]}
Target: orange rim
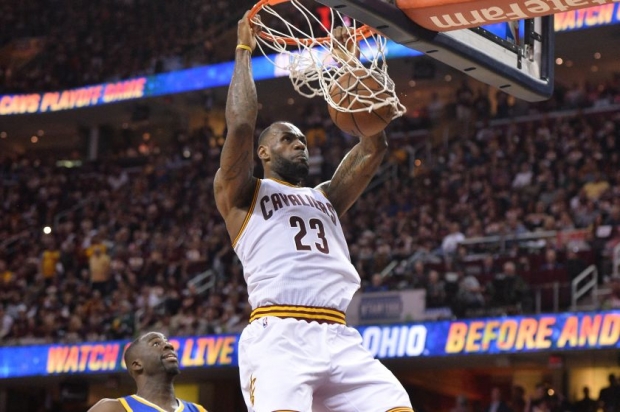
{"points": [[361, 32]]}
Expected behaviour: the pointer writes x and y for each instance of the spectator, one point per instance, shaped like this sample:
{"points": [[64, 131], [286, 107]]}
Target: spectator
{"points": [[482, 105], [613, 219], [419, 276], [435, 291], [469, 296], [586, 404], [49, 261], [6, 323], [461, 404], [575, 265], [503, 109], [517, 399], [497, 404], [99, 265], [612, 300], [435, 108], [464, 102], [6, 276], [451, 241], [538, 402], [524, 177], [508, 290], [376, 284], [609, 396], [596, 188], [488, 269], [551, 261]]}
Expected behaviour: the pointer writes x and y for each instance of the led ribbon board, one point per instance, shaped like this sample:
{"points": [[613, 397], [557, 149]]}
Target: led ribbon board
{"points": [[489, 336], [198, 78]]}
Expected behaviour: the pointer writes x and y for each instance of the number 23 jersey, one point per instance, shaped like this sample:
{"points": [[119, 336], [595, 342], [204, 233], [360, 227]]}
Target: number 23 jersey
{"points": [[293, 249]]}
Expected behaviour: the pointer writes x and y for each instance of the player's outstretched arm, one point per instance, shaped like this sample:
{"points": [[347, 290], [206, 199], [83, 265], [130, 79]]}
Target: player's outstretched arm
{"points": [[107, 405], [362, 162], [234, 183], [355, 172]]}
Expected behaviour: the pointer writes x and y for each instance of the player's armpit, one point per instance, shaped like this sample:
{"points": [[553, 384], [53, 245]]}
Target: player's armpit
{"points": [[107, 405], [323, 187]]}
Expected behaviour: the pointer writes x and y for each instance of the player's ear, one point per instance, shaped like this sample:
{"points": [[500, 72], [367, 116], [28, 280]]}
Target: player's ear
{"points": [[136, 366], [263, 152]]}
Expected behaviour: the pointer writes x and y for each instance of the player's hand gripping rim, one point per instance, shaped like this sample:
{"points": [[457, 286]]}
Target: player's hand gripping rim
{"points": [[247, 30]]}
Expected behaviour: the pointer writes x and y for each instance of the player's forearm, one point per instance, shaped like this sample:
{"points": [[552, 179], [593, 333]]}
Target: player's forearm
{"points": [[241, 112], [374, 146], [241, 103], [363, 161], [355, 171]]}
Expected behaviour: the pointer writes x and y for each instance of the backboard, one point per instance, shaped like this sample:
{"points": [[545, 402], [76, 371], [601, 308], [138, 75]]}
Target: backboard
{"points": [[518, 61]]}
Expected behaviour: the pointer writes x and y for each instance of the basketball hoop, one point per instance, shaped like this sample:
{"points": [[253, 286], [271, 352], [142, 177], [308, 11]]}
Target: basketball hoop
{"points": [[314, 60]]}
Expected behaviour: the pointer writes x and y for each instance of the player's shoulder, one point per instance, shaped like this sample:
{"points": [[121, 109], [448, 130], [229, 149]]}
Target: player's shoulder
{"points": [[108, 405], [196, 406]]}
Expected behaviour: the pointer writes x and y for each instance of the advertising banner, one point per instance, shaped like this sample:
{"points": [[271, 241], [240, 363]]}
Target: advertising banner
{"points": [[490, 336]]}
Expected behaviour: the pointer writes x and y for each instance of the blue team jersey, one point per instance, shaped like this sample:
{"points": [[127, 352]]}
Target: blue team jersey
{"points": [[134, 403]]}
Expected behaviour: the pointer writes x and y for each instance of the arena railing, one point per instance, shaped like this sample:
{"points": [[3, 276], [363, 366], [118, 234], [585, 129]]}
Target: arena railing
{"points": [[386, 172], [203, 282], [579, 290]]}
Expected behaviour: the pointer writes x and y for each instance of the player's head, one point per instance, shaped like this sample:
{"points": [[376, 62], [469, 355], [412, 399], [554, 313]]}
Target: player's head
{"points": [[151, 355], [283, 151]]}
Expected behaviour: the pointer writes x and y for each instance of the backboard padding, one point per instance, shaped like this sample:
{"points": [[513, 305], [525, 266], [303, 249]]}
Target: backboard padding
{"points": [[463, 49]]}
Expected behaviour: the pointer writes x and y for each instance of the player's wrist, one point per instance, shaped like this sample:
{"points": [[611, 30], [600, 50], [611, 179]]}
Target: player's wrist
{"points": [[242, 46]]}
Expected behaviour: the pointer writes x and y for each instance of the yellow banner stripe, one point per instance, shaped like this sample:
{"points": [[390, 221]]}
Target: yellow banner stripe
{"points": [[401, 409]]}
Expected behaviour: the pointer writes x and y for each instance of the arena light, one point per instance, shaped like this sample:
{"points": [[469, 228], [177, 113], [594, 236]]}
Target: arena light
{"points": [[47, 230]]}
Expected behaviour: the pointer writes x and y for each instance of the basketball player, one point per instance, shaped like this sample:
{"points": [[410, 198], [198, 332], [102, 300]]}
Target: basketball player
{"points": [[152, 362], [297, 354]]}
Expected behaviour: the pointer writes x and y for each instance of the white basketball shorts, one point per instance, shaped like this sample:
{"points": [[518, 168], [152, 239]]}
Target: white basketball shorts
{"points": [[293, 365]]}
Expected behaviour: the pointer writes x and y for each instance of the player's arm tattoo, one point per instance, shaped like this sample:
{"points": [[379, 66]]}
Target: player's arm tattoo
{"points": [[355, 172], [234, 180]]}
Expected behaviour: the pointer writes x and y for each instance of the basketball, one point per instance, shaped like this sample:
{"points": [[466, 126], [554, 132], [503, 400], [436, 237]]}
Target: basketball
{"points": [[370, 88]]}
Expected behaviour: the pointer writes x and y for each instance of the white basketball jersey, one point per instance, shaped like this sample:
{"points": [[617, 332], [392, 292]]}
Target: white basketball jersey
{"points": [[293, 249]]}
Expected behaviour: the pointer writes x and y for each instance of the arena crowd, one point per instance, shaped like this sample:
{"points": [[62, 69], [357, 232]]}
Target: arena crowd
{"points": [[64, 44], [128, 234]]}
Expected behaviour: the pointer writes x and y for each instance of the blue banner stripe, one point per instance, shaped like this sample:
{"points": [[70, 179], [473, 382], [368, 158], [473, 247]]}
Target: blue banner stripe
{"points": [[490, 336]]}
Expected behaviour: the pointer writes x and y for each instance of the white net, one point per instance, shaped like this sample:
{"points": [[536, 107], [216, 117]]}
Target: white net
{"points": [[315, 64]]}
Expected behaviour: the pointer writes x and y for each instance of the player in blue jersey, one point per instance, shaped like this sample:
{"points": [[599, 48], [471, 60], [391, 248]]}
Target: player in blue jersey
{"points": [[152, 362]]}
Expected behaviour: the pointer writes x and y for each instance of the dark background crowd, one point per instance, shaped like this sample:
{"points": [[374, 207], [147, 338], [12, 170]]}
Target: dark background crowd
{"points": [[128, 235], [66, 44], [499, 216], [134, 241]]}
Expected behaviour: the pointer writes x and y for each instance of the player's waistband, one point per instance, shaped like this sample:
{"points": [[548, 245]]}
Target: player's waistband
{"points": [[307, 313]]}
